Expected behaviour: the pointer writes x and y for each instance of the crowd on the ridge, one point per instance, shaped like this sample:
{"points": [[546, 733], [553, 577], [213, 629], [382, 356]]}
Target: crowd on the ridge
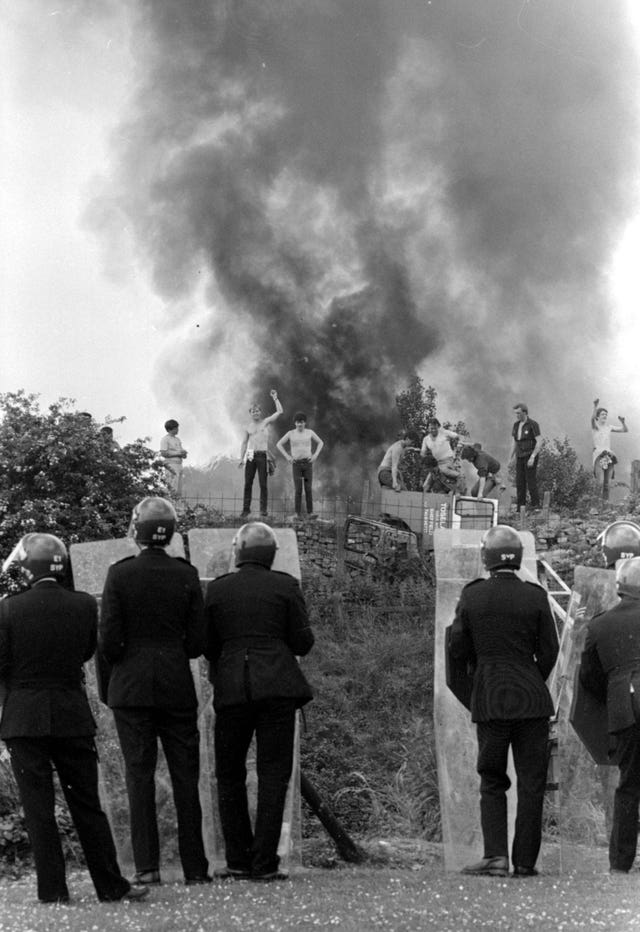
{"points": [[438, 453]]}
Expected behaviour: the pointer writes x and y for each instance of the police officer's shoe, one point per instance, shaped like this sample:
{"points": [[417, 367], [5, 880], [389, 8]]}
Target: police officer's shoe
{"points": [[617, 870], [269, 877], [488, 867], [231, 873], [520, 871], [135, 894], [197, 879], [147, 879]]}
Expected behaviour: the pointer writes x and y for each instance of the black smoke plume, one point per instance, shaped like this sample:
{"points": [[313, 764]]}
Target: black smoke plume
{"points": [[334, 194]]}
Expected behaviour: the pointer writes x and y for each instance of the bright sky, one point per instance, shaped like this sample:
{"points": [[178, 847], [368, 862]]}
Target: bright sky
{"points": [[69, 327]]}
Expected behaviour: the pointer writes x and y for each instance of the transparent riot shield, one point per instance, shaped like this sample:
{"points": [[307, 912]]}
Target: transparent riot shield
{"points": [[211, 553], [457, 560], [586, 783], [90, 563]]}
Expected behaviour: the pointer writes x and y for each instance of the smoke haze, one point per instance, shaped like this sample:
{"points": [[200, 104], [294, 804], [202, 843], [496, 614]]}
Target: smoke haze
{"points": [[331, 195]]}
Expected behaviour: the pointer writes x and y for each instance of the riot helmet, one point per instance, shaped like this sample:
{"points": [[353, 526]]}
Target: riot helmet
{"points": [[619, 541], [153, 522], [628, 578], [255, 542], [39, 556], [501, 548]]}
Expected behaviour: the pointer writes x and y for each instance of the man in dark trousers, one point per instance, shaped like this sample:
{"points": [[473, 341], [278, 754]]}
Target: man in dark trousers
{"points": [[47, 633], [256, 626], [610, 669], [525, 447], [152, 622], [504, 628]]}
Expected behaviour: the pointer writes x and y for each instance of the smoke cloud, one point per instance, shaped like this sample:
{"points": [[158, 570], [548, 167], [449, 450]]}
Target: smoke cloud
{"points": [[331, 195]]}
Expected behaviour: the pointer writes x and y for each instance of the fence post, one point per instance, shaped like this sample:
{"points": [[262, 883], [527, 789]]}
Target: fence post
{"points": [[635, 477]]}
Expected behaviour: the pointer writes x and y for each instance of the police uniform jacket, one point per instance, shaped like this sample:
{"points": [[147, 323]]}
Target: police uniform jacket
{"points": [[151, 623], [504, 628], [46, 635], [610, 663], [256, 625]]}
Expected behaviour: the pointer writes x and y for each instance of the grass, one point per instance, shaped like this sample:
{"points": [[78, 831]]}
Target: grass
{"points": [[369, 746], [350, 900]]}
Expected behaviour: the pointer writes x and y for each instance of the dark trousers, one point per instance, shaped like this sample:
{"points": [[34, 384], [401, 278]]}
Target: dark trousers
{"points": [[526, 478], [489, 485], [624, 833], [76, 762], [528, 739], [177, 729], [273, 722], [303, 475], [256, 465]]}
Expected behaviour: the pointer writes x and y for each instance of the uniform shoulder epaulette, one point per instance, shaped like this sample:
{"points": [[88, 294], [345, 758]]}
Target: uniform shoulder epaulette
{"points": [[131, 556], [284, 573], [223, 576], [600, 614], [475, 581], [532, 582], [184, 560]]}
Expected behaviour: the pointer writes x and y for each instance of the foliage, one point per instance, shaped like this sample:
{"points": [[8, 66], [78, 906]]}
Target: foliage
{"points": [[561, 473], [416, 405], [60, 475]]}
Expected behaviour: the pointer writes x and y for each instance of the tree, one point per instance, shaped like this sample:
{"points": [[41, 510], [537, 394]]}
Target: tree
{"points": [[416, 405], [59, 475]]}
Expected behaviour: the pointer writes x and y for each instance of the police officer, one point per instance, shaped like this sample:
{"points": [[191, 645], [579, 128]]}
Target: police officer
{"points": [[504, 628], [256, 625], [619, 541], [152, 623], [47, 633], [610, 669]]}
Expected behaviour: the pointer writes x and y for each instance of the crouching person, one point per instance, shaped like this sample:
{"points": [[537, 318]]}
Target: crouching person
{"points": [[256, 626], [504, 628], [47, 633]]}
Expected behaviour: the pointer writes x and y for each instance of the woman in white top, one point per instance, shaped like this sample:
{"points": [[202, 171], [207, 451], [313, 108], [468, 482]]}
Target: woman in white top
{"points": [[603, 458]]}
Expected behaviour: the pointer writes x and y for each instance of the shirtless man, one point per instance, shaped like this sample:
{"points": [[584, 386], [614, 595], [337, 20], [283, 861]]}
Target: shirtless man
{"points": [[253, 454]]}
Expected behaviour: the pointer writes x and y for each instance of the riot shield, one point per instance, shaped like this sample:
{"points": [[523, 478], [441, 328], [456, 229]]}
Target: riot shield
{"points": [[586, 783], [457, 559], [211, 553]]}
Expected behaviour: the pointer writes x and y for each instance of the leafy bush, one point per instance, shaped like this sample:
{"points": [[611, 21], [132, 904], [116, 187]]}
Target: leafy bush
{"points": [[58, 474]]}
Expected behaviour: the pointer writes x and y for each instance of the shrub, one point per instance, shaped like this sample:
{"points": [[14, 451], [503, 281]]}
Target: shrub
{"points": [[57, 474]]}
